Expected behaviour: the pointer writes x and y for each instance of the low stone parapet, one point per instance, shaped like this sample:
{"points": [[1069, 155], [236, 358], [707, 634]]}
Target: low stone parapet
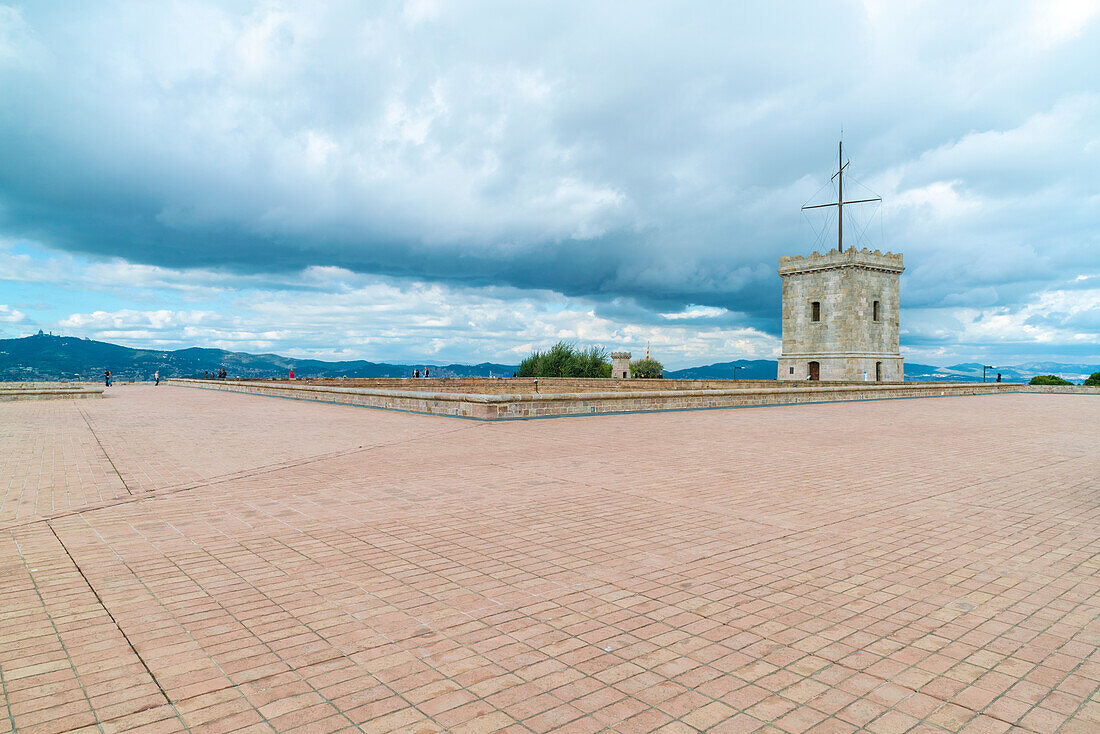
{"points": [[513, 406], [16, 391]]}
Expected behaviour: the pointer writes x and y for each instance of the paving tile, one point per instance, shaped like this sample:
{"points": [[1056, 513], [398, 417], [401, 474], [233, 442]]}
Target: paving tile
{"points": [[171, 558]]}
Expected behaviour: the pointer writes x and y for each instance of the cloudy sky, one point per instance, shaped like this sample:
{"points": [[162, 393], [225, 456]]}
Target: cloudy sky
{"points": [[462, 181]]}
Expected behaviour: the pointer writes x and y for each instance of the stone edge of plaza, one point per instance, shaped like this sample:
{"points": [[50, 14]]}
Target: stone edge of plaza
{"points": [[497, 407]]}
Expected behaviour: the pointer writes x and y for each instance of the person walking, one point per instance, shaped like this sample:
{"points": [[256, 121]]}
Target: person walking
{"points": [[106, 377], [156, 378]]}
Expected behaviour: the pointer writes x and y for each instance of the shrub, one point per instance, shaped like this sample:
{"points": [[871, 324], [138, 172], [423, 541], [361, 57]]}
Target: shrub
{"points": [[650, 368], [1093, 379], [564, 359], [1048, 380]]}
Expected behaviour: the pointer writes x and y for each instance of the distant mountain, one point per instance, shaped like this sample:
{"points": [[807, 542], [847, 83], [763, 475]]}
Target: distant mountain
{"points": [[750, 369], [47, 357], [765, 369], [972, 372]]}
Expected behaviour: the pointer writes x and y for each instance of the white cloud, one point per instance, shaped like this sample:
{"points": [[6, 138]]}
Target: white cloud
{"points": [[10, 315], [696, 312]]}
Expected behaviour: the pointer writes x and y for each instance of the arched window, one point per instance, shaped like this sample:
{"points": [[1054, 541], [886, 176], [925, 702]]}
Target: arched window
{"points": [[815, 311], [875, 312]]}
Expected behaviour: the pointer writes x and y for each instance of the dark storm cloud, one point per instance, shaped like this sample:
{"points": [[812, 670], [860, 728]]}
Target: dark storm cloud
{"points": [[648, 157]]}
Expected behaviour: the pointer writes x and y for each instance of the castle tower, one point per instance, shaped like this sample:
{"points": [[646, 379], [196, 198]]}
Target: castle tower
{"points": [[841, 309], [841, 316], [620, 365]]}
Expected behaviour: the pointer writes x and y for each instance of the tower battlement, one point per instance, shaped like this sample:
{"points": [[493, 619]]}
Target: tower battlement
{"points": [[869, 259]]}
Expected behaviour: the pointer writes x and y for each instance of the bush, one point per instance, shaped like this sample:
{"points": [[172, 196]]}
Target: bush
{"points": [[564, 359], [1049, 380], [644, 368], [1093, 380]]}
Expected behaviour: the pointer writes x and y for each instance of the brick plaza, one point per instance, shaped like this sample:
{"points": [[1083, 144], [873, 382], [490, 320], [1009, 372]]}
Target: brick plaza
{"points": [[184, 560]]}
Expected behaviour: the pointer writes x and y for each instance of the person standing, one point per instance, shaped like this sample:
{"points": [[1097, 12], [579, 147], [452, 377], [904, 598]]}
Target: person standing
{"points": [[106, 377], [292, 373], [156, 378]]}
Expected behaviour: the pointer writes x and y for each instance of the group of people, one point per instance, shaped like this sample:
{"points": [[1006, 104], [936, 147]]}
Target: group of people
{"points": [[108, 376], [416, 372], [218, 374]]}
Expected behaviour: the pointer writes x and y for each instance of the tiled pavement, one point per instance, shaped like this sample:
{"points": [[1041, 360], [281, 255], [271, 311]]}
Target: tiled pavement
{"points": [[176, 560]]}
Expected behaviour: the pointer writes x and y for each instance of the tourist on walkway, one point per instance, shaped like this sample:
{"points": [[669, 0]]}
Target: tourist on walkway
{"points": [[106, 377], [156, 378]]}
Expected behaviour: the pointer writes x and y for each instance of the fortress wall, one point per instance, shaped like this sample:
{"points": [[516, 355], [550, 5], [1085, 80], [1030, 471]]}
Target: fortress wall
{"points": [[13, 391], [481, 406]]}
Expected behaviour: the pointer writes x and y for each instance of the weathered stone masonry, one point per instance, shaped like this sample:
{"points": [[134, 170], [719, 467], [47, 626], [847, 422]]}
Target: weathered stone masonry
{"points": [[841, 316]]}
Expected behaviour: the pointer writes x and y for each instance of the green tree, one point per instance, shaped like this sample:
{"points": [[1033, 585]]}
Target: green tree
{"points": [[564, 359], [1049, 380], [647, 368], [1093, 380]]}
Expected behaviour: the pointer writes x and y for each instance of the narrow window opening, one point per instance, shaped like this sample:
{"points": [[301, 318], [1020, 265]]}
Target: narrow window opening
{"points": [[878, 371], [815, 311], [875, 315], [792, 370]]}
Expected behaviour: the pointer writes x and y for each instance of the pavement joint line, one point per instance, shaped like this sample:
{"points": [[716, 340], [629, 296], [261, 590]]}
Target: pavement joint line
{"points": [[320, 636], [107, 456], [4, 694], [114, 621], [228, 677], [879, 599], [154, 493], [57, 634]]}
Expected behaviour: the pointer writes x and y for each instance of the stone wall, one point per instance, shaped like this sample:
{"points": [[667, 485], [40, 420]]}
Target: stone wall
{"points": [[544, 405], [847, 339], [20, 391], [511, 385]]}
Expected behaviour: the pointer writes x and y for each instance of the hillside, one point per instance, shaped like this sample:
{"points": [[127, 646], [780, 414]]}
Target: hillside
{"points": [[47, 357], [765, 369], [751, 369]]}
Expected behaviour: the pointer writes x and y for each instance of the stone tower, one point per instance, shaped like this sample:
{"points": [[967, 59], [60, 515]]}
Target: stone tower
{"points": [[620, 365], [841, 316]]}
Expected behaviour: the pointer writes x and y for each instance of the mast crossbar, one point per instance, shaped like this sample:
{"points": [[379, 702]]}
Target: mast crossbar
{"points": [[840, 202], [857, 201]]}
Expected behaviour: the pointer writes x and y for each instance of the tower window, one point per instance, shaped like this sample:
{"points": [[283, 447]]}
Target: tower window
{"points": [[815, 311], [875, 312]]}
